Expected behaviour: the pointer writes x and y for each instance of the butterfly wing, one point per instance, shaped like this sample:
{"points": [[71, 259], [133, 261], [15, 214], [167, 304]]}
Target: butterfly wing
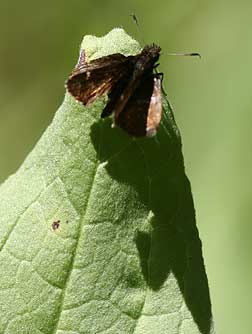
{"points": [[155, 108], [96, 78], [116, 97], [142, 113]]}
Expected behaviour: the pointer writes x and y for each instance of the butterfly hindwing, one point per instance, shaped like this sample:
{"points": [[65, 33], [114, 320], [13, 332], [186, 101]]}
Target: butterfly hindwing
{"points": [[142, 113], [155, 108]]}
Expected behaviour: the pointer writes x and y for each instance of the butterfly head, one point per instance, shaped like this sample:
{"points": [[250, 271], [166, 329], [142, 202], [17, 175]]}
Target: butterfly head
{"points": [[152, 50]]}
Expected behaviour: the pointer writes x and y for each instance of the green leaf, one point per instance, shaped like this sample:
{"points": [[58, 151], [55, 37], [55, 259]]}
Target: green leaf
{"points": [[124, 255]]}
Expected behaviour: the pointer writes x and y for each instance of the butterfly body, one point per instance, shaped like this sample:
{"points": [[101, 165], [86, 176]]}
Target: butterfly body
{"points": [[134, 91]]}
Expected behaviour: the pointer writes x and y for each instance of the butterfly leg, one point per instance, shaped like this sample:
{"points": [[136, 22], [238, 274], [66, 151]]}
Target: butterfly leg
{"points": [[113, 97], [108, 110], [160, 75]]}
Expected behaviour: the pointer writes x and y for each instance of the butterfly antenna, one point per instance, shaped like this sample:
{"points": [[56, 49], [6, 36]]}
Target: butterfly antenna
{"points": [[135, 19], [191, 54]]}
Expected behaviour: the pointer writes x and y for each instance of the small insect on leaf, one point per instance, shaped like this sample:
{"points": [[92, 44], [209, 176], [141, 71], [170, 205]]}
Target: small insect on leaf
{"points": [[134, 91]]}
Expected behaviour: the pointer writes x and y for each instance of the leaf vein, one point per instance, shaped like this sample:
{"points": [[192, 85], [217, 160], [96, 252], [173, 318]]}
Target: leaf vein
{"points": [[71, 266]]}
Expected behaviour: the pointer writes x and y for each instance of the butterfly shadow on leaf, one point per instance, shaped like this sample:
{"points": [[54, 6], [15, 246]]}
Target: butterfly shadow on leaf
{"points": [[154, 168]]}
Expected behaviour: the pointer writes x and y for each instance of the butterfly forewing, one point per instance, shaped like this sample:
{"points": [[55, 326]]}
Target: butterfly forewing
{"points": [[98, 77]]}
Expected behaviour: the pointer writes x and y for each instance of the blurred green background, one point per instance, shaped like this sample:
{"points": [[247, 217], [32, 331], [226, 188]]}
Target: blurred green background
{"points": [[212, 99]]}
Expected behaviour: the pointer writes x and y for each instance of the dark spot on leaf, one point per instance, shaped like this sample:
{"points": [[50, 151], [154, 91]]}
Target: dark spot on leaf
{"points": [[56, 225]]}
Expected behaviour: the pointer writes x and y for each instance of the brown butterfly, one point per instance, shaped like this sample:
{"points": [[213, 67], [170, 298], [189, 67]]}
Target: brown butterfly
{"points": [[134, 91]]}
